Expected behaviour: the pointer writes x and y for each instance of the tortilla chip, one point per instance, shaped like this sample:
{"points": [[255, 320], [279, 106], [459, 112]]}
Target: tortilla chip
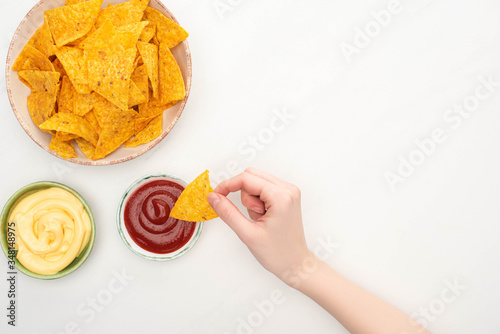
{"points": [[141, 4], [26, 83], [123, 13], [150, 109], [152, 130], [149, 54], [41, 81], [82, 103], [69, 23], [65, 99], [148, 32], [115, 133], [70, 100], [87, 148], [81, 39], [110, 36], [71, 59], [71, 123], [64, 149], [138, 61], [41, 107], [153, 108], [73, 2], [167, 31], [74, 64], [64, 136], [135, 96], [169, 105], [100, 39], [128, 35], [141, 123], [30, 65], [90, 116], [37, 60], [42, 41], [109, 75], [192, 204], [154, 40], [104, 110], [140, 78], [58, 67], [171, 86]]}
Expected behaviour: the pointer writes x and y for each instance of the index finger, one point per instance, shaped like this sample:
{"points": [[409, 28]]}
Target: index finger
{"points": [[252, 184], [266, 176]]}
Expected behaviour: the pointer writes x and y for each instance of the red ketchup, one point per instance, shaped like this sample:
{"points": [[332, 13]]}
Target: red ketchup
{"points": [[147, 217]]}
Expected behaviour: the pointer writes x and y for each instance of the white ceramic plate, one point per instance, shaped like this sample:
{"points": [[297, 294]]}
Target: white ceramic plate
{"points": [[18, 92]]}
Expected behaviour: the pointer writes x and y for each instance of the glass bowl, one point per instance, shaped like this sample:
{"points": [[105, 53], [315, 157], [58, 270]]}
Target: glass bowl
{"points": [[124, 234]]}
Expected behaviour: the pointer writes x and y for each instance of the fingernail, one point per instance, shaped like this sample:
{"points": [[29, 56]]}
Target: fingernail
{"points": [[213, 199], [258, 210]]}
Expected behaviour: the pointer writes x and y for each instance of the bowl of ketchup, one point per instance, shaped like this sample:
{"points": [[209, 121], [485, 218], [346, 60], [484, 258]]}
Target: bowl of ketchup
{"points": [[144, 221]]}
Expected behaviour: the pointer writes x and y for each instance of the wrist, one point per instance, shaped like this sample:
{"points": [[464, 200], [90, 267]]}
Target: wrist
{"points": [[313, 284], [298, 274]]}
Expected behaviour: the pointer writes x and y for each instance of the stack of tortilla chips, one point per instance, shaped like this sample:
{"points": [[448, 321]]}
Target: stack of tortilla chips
{"points": [[101, 77]]}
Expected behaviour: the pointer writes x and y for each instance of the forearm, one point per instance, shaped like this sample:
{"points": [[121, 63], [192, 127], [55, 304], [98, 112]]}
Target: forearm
{"points": [[359, 311], [275, 236]]}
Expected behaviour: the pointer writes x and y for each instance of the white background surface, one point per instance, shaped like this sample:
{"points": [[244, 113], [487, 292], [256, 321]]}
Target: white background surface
{"points": [[352, 122]]}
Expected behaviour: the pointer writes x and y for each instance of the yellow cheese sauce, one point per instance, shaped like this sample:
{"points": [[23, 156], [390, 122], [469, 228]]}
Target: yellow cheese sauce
{"points": [[52, 228]]}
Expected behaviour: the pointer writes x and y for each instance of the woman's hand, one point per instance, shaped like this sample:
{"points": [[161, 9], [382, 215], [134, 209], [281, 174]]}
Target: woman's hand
{"points": [[275, 235]]}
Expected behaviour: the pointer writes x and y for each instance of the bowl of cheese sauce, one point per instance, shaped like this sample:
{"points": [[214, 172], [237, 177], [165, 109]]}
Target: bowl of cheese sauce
{"points": [[47, 229]]}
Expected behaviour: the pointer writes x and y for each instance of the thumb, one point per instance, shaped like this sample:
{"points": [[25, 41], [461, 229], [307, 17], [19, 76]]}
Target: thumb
{"points": [[229, 213]]}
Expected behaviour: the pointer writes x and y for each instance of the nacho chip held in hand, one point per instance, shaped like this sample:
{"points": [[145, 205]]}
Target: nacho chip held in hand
{"points": [[192, 204]]}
